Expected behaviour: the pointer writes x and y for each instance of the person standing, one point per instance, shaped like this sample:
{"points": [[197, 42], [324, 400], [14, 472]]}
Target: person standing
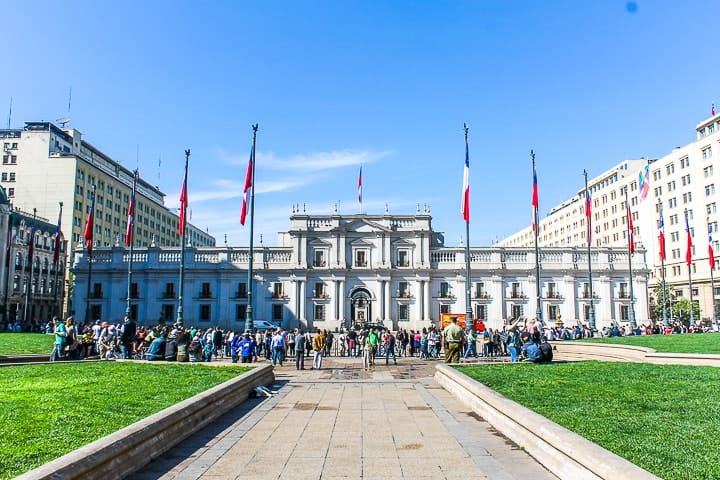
{"points": [[471, 349], [318, 349], [278, 347], [513, 340], [389, 345], [60, 332], [247, 348], [235, 347], [299, 350], [127, 337], [453, 335]]}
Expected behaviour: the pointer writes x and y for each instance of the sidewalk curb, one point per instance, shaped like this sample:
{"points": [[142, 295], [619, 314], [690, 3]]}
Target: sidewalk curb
{"points": [[564, 453], [129, 449]]}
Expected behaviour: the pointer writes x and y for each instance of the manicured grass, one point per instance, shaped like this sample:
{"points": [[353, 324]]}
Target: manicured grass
{"points": [[47, 411], [22, 343], [686, 343], [662, 418]]}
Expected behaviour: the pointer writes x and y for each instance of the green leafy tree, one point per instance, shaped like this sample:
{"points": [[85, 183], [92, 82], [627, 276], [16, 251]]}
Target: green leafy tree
{"points": [[681, 310], [656, 307]]}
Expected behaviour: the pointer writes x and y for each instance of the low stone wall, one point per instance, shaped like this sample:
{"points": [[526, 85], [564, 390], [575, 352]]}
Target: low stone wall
{"points": [[126, 451], [579, 351], [564, 453]]}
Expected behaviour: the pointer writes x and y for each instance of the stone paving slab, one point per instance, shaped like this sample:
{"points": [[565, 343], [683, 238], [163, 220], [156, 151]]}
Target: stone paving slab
{"points": [[344, 422]]}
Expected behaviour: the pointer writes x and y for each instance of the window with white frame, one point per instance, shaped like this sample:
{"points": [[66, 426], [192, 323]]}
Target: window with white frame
{"points": [[361, 258], [403, 290], [403, 257]]}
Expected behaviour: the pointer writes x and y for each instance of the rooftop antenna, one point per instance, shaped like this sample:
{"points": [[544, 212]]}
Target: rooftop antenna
{"points": [[10, 114], [63, 121]]}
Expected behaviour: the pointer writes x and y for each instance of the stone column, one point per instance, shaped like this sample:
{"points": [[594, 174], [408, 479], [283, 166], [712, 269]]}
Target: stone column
{"points": [[301, 314], [387, 299], [426, 300]]}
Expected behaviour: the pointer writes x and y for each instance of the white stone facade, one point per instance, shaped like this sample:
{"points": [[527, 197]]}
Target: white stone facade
{"points": [[332, 271]]}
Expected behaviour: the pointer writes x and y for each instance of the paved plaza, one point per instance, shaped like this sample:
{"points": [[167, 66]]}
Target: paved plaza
{"points": [[342, 422]]}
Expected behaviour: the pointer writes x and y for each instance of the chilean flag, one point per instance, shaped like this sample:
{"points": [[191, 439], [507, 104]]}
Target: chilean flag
{"points": [[535, 199], [56, 245], [466, 187], [130, 219], [360, 186], [588, 214], [246, 188], [661, 228], [183, 208], [711, 252], [688, 253], [631, 233], [90, 226]]}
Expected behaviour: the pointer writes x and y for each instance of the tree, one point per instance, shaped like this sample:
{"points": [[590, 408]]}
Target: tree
{"points": [[656, 312], [681, 310]]}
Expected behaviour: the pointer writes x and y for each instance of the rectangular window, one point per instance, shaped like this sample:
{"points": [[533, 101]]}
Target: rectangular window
{"points": [[169, 290], [707, 152], [205, 290], [241, 290], [624, 313], [97, 290], [403, 312], [96, 312], [708, 171], [277, 290], [686, 179], [240, 312], [277, 312], [319, 258], [403, 290], [444, 290], [4, 177], [552, 290], [168, 313], [480, 312], [204, 312], [361, 258], [624, 290], [480, 290], [517, 311], [319, 312], [687, 197], [319, 290], [552, 312], [710, 189], [134, 291], [670, 169], [444, 308], [684, 162], [515, 291], [403, 258]]}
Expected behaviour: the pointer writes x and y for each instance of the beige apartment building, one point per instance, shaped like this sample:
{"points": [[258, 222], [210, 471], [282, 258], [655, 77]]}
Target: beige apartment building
{"points": [[43, 165], [686, 179]]}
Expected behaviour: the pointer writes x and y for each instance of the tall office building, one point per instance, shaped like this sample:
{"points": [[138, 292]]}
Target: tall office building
{"points": [[684, 180]]}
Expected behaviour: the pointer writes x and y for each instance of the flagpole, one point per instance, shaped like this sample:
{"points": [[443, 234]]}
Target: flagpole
{"points": [[631, 249], [661, 226], [56, 257], [711, 253], [130, 238], [589, 241], [468, 304], [689, 262], [183, 220], [28, 285], [536, 204], [249, 320], [89, 249]]}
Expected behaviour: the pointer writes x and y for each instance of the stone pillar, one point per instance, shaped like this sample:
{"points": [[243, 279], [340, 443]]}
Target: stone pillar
{"points": [[341, 302], [301, 314], [387, 300], [426, 300]]}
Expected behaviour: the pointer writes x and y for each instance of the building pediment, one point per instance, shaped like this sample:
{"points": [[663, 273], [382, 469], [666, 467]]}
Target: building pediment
{"points": [[403, 243], [360, 243], [361, 225], [319, 243]]}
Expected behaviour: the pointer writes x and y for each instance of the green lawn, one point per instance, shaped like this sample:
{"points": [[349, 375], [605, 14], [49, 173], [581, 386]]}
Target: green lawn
{"points": [[22, 343], [660, 417], [687, 343], [47, 411]]}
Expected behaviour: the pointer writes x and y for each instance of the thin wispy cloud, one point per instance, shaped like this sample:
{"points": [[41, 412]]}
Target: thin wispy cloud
{"points": [[311, 162], [229, 189]]}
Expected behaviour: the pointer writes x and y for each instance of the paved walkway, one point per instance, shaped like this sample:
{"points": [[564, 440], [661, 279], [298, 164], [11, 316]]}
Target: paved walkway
{"points": [[341, 422]]}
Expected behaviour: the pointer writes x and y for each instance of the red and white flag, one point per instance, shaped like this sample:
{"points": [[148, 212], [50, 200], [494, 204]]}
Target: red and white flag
{"points": [[661, 237], [631, 231], [247, 188], [360, 186], [466, 187]]}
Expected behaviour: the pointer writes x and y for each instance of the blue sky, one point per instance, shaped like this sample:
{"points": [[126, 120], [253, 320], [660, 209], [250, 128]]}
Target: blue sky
{"points": [[336, 84]]}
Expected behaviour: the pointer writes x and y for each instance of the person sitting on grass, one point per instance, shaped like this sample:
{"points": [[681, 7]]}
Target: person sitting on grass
{"points": [[156, 351]]}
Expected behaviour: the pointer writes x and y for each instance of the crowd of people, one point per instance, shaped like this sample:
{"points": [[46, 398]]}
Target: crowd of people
{"points": [[179, 343]]}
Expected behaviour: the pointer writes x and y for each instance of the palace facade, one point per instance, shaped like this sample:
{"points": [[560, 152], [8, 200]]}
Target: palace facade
{"points": [[333, 271]]}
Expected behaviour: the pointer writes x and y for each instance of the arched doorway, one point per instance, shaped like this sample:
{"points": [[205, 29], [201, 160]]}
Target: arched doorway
{"points": [[360, 306]]}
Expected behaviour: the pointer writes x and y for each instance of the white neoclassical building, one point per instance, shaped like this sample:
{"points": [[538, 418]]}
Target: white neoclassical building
{"points": [[332, 271]]}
